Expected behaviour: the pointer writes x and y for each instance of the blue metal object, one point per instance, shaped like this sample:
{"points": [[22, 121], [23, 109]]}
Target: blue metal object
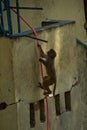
{"points": [[18, 16], [2, 32], [1, 15], [8, 32], [39, 29], [81, 43], [8, 16], [5, 6]]}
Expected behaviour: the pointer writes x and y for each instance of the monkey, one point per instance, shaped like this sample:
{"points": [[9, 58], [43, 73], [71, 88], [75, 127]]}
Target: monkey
{"points": [[48, 62]]}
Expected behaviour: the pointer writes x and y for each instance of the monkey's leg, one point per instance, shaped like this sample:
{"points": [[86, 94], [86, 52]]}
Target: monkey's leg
{"points": [[48, 91], [40, 85], [46, 84]]}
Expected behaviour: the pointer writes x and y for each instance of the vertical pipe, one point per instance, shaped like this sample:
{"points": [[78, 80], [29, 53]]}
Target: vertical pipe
{"points": [[1, 15], [2, 32], [18, 16], [9, 16]]}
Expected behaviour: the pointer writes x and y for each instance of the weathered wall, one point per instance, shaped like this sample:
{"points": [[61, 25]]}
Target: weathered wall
{"points": [[26, 65], [20, 74], [26, 70], [19, 68], [8, 117], [82, 62]]}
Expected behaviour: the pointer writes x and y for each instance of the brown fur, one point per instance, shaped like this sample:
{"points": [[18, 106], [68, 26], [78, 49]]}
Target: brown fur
{"points": [[48, 62]]}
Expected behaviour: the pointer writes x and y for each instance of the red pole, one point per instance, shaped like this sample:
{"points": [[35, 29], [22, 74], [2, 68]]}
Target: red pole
{"points": [[35, 34]]}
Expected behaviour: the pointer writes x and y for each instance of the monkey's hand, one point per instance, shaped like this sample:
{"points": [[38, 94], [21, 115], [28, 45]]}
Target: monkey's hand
{"points": [[43, 61], [40, 60], [38, 45], [42, 54]]}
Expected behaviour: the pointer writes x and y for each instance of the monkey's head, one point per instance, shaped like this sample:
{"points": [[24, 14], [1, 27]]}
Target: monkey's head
{"points": [[51, 53]]}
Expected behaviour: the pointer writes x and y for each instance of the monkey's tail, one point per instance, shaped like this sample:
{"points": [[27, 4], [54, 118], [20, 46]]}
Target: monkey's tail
{"points": [[54, 89]]}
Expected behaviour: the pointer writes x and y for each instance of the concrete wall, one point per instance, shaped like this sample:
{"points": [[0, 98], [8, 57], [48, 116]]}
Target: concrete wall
{"points": [[24, 74], [82, 54], [26, 66], [19, 68], [8, 117], [69, 70]]}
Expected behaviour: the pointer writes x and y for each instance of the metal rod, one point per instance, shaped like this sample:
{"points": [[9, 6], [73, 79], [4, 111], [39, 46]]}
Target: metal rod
{"points": [[30, 8], [2, 29], [37, 38], [14, 102], [18, 15], [81, 43]]}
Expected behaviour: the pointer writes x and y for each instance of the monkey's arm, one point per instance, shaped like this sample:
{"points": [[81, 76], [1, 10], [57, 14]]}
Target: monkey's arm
{"points": [[43, 55], [43, 61]]}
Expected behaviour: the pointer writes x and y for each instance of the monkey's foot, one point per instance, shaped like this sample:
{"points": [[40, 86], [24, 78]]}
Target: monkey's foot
{"points": [[40, 85], [47, 93]]}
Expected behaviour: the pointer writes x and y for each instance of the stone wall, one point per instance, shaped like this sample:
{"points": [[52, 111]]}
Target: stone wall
{"points": [[20, 74]]}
